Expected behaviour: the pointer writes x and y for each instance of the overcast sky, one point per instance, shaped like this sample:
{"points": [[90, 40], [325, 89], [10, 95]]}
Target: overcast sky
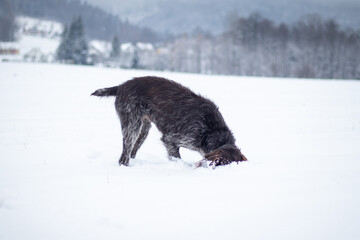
{"points": [[158, 14], [129, 3], [122, 6]]}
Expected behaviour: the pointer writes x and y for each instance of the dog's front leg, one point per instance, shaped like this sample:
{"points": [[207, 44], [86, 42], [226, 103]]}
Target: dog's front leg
{"points": [[172, 149], [173, 152]]}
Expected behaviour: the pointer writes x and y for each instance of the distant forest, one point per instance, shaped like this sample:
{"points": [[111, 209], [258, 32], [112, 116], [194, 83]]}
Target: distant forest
{"points": [[312, 47], [99, 24]]}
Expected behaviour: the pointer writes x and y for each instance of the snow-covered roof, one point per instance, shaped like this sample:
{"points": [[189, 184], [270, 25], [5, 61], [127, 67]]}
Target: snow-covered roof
{"points": [[101, 46], [144, 46], [129, 47]]}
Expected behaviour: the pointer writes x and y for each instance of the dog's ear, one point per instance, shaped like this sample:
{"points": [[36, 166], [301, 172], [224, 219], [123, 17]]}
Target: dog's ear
{"points": [[243, 157]]}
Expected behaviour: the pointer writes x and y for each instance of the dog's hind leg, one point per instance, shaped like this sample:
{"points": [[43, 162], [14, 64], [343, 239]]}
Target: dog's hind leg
{"points": [[130, 130], [145, 128]]}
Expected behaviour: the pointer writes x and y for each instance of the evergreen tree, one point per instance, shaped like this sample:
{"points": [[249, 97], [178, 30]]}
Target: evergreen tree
{"points": [[135, 60], [73, 47], [63, 53], [115, 51], [78, 43]]}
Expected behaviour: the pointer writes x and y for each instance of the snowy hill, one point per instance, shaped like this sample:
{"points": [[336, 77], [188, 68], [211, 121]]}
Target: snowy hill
{"points": [[39, 39], [59, 147]]}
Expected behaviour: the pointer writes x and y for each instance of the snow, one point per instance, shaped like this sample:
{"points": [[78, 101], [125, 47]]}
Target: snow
{"points": [[59, 147]]}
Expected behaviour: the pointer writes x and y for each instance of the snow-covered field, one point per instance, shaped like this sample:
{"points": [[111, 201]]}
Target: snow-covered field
{"points": [[59, 148]]}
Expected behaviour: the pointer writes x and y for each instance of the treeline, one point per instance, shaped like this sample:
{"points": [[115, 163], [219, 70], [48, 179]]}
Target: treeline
{"points": [[8, 25], [256, 46], [99, 24]]}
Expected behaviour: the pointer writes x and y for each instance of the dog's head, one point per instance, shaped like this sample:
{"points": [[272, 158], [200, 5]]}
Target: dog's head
{"points": [[223, 155]]}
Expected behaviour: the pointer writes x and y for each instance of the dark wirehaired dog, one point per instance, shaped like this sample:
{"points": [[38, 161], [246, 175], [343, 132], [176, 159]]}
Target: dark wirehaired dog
{"points": [[184, 118]]}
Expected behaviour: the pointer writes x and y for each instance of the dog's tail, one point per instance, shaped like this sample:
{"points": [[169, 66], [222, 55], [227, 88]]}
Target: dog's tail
{"points": [[106, 92]]}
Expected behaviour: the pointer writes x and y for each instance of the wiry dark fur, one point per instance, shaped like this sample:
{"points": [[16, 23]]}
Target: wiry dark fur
{"points": [[184, 118]]}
